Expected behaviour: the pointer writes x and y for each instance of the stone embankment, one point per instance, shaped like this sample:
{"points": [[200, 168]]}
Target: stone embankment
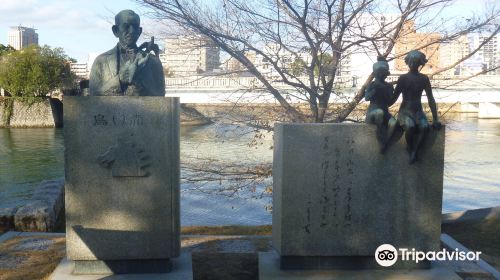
{"points": [[47, 113], [41, 213]]}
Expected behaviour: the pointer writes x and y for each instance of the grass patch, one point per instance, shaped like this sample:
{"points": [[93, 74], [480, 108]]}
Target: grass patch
{"points": [[35, 264], [204, 230], [227, 230]]}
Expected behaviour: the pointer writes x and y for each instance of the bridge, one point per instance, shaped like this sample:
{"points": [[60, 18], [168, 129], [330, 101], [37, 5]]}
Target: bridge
{"points": [[479, 95]]}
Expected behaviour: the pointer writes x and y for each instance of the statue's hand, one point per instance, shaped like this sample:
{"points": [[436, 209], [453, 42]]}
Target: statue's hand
{"points": [[131, 68], [150, 46], [127, 71], [436, 124], [141, 60]]}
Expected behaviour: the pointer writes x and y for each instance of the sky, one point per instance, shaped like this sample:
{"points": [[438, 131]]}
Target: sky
{"points": [[78, 26], [81, 27]]}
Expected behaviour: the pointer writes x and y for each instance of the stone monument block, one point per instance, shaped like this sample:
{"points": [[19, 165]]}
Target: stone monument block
{"points": [[335, 195], [122, 180]]}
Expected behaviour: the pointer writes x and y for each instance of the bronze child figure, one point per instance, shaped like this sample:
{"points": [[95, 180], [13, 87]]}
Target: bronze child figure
{"points": [[411, 116], [379, 93]]}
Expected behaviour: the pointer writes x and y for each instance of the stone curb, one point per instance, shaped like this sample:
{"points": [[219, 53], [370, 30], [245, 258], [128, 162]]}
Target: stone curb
{"points": [[475, 215], [40, 214], [7, 218]]}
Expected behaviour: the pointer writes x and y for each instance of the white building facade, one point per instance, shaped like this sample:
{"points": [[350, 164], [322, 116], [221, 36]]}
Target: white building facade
{"points": [[81, 70], [357, 61], [488, 56], [188, 56], [450, 53], [20, 37]]}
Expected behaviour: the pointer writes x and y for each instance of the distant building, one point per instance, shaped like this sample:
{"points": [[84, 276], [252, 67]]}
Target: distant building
{"points": [[81, 70], [358, 61], [188, 56], [450, 53], [283, 57], [20, 37], [90, 59], [233, 65], [488, 56], [428, 43]]}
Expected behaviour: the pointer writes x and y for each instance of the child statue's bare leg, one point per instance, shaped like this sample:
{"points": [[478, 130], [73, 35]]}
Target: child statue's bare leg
{"points": [[423, 128], [410, 135], [377, 117], [392, 125]]}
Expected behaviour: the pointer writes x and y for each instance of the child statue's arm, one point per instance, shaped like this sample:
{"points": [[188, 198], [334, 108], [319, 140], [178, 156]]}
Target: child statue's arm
{"points": [[397, 91], [432, 104], [370, 91]]}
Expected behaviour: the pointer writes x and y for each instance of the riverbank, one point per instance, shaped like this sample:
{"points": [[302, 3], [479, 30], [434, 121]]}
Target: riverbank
{"points": [[45, 113], [49, 113], [478, 230], [266, 113]]}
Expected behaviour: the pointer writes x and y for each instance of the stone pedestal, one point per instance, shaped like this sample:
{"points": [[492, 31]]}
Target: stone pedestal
{"points": [[335, 195], [122, 182]]}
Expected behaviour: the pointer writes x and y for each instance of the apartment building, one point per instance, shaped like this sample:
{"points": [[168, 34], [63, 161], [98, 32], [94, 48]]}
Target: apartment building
{"points": [[410, 39], [190, 55], [20, 37], [451, 52]]}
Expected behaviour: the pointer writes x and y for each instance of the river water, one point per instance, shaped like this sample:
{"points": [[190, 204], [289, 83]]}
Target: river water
{"points": [[471, 180]]}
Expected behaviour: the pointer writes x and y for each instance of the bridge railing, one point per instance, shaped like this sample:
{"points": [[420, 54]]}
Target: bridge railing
{"points": [[240, 82], [211, 82]]}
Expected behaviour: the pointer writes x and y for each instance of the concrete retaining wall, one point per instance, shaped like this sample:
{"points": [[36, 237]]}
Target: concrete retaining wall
{"points": [[47, 113]]}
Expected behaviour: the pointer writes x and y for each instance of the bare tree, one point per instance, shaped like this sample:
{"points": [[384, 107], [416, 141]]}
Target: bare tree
{"points": [[328, 31], [212, 176]]}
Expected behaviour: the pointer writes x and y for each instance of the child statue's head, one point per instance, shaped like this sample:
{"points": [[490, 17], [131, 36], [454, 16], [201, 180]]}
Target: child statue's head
{"points": [[381, 68], [414, 59]]}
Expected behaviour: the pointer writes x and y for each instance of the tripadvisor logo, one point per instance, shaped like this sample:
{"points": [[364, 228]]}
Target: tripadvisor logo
{"points": [[386, 255]]}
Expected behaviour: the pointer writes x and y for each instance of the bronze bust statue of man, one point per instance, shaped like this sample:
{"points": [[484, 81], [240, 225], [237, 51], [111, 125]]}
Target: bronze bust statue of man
{"points": [[411, 115], [127, 69]]}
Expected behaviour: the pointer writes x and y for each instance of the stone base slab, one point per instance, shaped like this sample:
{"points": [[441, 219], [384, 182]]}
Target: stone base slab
{"points": [[181, 270], [123, 266], [269, 268], [333, 262]]}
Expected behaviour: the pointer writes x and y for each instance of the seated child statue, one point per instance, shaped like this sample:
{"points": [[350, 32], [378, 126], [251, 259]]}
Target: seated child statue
{"points": [[411, 115], [379, 93]]}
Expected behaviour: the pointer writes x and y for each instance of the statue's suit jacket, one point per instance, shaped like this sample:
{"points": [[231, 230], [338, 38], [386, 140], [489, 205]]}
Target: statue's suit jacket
{"points": [[104, 79]]}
